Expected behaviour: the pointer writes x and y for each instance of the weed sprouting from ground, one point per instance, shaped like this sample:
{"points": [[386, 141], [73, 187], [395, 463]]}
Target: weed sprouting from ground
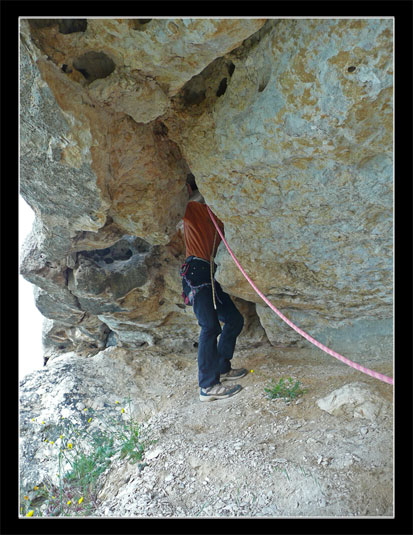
{"points": [[286, 389], [83, 453]]}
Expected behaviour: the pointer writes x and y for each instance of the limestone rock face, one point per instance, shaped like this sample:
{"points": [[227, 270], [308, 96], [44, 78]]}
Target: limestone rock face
{"points": [[137, 51], [56, 168], [147, 183], [286, 126], [296, 158], [93, 163]]}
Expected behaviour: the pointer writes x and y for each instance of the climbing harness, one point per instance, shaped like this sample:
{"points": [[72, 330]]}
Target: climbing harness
{"points": [[189, 299], [321, 346]]}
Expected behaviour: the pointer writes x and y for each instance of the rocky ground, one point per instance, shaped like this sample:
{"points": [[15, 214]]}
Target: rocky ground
{"points": [[246, 456]]}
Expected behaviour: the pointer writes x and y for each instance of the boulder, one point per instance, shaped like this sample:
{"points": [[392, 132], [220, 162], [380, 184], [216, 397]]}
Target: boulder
{"points": [[355, 400]]}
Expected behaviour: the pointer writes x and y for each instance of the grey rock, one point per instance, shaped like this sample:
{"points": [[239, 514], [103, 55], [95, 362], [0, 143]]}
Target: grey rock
{"points": [[113, 271], [67, 312], [356, 400], [66, 198]]}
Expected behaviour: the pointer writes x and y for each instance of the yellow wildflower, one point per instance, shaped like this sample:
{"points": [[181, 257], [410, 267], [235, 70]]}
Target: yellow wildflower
{"points": [[43, 423], [252, 371], [81, 500], [30, 513], [61, 436], [26, 497], [122, 411], [90, 419], [70, 446], [36, 488], [51, 442], [69, 502]]}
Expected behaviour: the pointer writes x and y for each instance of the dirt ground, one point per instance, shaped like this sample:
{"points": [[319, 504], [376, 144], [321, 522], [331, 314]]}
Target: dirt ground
{"points": [[249, 456]]}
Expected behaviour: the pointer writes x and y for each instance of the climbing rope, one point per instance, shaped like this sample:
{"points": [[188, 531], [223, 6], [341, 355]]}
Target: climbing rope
{"points": [[211, 264], [321, 346]]}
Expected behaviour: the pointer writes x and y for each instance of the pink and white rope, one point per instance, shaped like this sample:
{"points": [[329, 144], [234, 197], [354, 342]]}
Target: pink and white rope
{"points": [[321, 346]]}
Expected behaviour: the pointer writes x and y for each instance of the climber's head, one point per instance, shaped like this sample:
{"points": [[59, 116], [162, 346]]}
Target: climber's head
{"points": [[193, 192]]}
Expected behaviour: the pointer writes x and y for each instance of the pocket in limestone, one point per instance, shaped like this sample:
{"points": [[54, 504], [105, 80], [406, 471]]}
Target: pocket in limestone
{"points": [[102, 277]]}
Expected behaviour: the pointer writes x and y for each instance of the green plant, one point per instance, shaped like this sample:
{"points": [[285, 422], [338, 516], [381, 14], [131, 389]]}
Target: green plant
{"points": [[286, 389], [83, 452], [129, 435]]}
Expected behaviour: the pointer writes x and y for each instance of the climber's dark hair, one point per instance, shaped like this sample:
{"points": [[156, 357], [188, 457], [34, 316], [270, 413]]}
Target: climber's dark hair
{"points": [[190, 180]]}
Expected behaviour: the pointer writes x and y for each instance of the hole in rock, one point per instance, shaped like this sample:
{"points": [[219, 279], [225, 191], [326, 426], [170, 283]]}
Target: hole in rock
{"points": [[103, 252], [108, 260], [262, 86], [190, 180], [160, 128], [351, 69], [192, 97], [85, 74], [72, 25], [142, 246], [139, 24], [222, 87], [231, 68], [38, 24], [94, 65], [121, 254]]}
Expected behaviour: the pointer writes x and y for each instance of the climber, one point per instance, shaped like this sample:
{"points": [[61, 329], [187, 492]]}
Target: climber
{"points": [[210, 303]]}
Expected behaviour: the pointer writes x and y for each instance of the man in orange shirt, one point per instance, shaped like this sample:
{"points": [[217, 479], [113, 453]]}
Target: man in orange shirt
{"points": [[210, 303]]}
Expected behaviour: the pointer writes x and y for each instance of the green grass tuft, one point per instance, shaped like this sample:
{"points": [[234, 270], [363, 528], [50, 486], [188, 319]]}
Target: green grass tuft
{"points": [[285, 389]]}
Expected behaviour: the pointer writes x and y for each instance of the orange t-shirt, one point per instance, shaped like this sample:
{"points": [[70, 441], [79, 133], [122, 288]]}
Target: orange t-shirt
{"points": [[199, 231]]}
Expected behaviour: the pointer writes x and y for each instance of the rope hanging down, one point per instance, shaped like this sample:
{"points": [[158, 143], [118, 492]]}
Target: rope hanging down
{"points": [[324, 348]]}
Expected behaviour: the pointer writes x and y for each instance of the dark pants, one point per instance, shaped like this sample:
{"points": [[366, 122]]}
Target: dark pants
{"points": [[213, 358]]}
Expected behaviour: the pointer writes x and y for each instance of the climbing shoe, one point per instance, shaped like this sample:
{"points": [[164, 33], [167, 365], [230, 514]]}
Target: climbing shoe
{"points": [[233, 374], [218, 391]]}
